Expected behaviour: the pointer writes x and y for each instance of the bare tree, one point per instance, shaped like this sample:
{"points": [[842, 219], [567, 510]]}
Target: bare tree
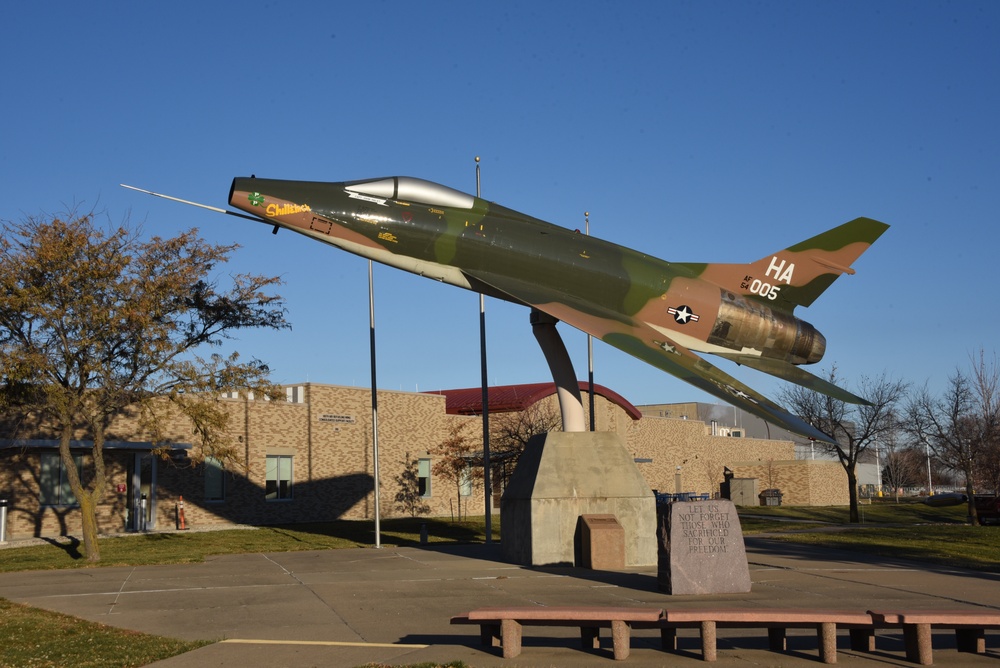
{"points": [[901, 465], [712, 470], [989, 469], [962, 426], [854, 427], [771, 472], [511, 431], [94, 321]]}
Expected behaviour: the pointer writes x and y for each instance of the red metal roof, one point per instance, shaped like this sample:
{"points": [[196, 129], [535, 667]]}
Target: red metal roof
{"points": [[508, 398]]}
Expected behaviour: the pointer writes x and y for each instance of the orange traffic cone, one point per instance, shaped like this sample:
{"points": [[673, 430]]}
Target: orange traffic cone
{"points": [[181, 524]]}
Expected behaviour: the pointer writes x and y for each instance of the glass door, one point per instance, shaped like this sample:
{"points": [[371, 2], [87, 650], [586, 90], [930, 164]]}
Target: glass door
{"points": [[142, 492]]}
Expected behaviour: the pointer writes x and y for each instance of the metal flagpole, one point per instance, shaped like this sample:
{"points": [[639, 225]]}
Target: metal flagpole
{"points": [[487, 483], [590, 352], [371, 328]]}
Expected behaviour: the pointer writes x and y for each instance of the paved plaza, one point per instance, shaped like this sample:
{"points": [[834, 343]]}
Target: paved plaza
{"points": [[393, 605]]}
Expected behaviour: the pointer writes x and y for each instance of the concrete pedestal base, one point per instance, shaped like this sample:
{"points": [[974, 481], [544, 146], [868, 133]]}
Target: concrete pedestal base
{"points": [[562, 476]]}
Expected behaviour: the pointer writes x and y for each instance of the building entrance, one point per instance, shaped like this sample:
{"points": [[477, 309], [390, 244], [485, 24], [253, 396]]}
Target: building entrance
{"points": [[142, 492]]}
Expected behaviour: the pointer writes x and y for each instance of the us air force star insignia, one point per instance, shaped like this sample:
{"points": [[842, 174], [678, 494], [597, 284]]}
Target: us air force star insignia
{"points": [[683, 314], [667, 348]]}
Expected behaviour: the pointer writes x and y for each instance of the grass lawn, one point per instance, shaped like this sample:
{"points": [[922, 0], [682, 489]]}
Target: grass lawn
{"points": [[913, 531], [976, 548], [39, 639], [192, 547], [875, 513]]}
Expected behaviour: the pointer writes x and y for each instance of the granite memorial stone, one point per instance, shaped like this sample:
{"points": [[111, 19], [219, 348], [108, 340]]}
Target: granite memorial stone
{"points": [[700, 548]]}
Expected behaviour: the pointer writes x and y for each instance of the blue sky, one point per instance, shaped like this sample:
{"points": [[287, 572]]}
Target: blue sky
{"points": [[694, 131]]}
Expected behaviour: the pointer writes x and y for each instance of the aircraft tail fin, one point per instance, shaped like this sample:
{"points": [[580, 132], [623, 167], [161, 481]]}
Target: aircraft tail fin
{"points": [[799, 274]]}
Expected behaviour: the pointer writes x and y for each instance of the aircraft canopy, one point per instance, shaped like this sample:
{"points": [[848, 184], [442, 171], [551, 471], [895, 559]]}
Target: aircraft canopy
{"points": [[410, 189]]}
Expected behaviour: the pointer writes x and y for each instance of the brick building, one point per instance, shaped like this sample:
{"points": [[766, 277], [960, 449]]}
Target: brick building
{"points": [[310, 459]]}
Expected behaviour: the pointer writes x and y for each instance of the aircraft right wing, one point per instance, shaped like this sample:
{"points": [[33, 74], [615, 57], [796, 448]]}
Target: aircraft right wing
{"points": [[797, 375], [647, 344], [677, 360]]}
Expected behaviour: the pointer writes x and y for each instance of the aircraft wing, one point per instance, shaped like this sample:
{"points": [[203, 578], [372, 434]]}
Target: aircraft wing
{"points": [[649, 345], [675, 359], [797, 375]]}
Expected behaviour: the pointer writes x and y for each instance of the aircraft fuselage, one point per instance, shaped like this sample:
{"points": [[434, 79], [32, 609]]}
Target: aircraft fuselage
{"points": [[592, 284]]}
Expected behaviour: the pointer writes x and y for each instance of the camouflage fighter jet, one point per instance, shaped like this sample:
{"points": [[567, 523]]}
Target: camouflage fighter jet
{"points": [[663, 313]]}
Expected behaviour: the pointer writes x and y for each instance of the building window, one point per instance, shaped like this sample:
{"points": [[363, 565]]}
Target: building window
{"points": [[53, 484], [424, 477], [279, 477], [215, 480]]}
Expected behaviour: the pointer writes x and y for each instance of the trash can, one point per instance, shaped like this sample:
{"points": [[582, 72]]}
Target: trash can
{"points": [[770, 497], [3, 520]]}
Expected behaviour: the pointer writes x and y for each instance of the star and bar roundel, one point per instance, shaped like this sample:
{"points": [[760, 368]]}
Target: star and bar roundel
{"points": [[683, 314]]}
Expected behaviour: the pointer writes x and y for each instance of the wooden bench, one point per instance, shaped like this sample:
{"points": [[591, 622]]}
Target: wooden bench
{"points": [[776, 620], [502, 626], [969, 625]]}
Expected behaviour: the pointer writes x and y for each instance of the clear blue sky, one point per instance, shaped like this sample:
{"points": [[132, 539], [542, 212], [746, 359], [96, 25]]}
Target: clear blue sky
{"points": [[694, 131]]}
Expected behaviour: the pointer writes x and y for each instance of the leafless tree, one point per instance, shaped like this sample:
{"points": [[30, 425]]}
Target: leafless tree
{"points": [[962, 426], [854, 427], [511, 431], [989, 469], [713, 471], [901, 465], [771, 472]]}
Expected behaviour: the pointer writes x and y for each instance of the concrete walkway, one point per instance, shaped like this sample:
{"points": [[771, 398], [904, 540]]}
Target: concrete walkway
{"points": [[392, 606]]}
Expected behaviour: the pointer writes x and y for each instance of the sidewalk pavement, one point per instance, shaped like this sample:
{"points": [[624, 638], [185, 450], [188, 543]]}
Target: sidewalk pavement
{"points": [[393, 605]]}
